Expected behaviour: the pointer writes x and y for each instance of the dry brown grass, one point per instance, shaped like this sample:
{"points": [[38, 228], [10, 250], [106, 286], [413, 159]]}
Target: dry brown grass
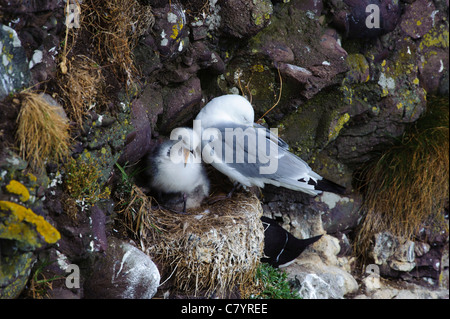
{"points": [[408, 186], [115, 26], [109, 30], [202, 252], [42, 132], [82, 86]]}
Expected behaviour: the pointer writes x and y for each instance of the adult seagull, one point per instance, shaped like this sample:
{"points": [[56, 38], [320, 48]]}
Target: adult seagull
{"points": [[249, 153]]}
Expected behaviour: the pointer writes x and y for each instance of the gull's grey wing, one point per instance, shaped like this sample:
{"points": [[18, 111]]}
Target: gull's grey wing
{"points": [[249, 157], [274, 138]]}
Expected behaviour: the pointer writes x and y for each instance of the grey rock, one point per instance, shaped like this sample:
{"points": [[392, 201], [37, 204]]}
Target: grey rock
{"points": [[421, 248], [305, 217], [98, 219], [403, 266], [339, 213], [315, 6], [404, 291], [405, 252], [14, 69], [384, 248], [432, 72], [316, 279]]}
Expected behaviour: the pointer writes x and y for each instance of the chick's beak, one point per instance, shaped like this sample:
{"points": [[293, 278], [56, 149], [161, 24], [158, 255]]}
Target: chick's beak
{"points": [[186, 155]]}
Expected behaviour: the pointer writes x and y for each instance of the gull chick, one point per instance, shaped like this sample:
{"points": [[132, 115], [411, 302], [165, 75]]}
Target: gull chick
{"points": [[233, 113], [176, 169]]}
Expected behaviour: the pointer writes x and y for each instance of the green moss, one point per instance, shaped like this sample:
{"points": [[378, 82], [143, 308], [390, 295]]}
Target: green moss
{"points": [[82, 180], [14, 273], [273, 284], [252, 75], [308, 129]]}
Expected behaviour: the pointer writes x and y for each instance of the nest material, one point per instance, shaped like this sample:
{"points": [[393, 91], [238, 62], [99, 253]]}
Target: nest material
{"points": [[82, 86], [211, 250]]}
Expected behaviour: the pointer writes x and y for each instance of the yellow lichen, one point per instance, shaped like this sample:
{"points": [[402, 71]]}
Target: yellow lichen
{"points": [[176, 28], [258, 68], [339, 125], [15, 187], [435, 38], [22, 214], [32, 177]]}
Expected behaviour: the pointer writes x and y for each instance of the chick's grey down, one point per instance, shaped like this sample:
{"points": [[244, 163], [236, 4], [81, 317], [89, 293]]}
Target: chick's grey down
{"points": [[175, 168]]}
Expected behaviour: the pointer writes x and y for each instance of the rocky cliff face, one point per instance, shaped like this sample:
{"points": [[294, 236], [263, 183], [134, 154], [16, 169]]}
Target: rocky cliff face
{"points": [[347, 80]]}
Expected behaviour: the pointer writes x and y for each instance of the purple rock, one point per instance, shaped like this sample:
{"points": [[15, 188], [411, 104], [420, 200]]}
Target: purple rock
{"points": [[137, 141], [179, 102], [99, 229], [171, 33], [418, 18], [360, 20]]}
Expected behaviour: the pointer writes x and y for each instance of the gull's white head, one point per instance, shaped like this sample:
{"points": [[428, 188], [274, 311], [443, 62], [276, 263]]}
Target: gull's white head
{"points": [[233, 108]]}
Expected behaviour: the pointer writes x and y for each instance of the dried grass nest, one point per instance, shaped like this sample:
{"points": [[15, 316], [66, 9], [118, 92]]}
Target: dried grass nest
{"points": [[210, 250]]}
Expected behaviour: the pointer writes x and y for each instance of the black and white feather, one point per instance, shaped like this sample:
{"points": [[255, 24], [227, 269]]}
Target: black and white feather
{"points": [[281, 248]]}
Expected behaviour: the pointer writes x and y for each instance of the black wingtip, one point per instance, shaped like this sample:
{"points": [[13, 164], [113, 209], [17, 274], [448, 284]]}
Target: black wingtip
{"points": [[309, 241], [326, 185]]}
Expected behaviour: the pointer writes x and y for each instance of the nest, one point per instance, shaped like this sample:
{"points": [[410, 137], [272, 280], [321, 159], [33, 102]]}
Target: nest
{"points": [[210, 250]]}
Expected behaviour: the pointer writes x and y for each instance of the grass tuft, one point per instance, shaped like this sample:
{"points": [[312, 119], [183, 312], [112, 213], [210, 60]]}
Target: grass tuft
{"points": [[42, 132], [407, 187]]}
